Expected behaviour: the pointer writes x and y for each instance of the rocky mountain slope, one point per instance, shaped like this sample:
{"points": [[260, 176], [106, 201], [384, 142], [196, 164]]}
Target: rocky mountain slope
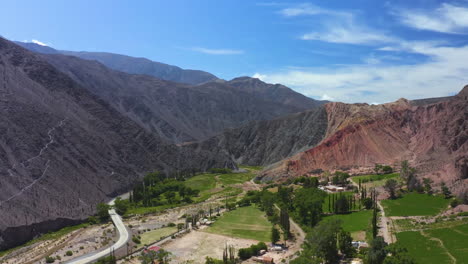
{"points": [[64, 149], [274, 92], [433, 137], [177, 112], [131, 64], [267, 142]]}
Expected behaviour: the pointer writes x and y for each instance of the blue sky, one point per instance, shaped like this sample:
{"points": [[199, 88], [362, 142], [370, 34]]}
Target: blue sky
{"points": [[352, 51]]}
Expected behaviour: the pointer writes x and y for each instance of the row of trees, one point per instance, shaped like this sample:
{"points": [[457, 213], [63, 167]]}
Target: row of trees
{"points": [[340, 203]]}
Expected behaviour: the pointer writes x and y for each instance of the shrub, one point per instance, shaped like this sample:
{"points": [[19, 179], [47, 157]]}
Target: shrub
{"points": [[454, 203], [136, 240], [49, 259], [171, 225], [220, 170], [246, 253], [69, 253]]}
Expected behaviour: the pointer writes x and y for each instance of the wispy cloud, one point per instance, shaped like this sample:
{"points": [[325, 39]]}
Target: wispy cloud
{"points": [[349, 34], [444, 73], [217, 51], [447, 18], [35, 41], [338, 26], [309, 9]]}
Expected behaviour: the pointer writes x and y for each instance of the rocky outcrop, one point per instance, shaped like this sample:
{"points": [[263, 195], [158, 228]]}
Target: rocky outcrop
{"points": [[433, 137], [64, 149], [266, 142]]}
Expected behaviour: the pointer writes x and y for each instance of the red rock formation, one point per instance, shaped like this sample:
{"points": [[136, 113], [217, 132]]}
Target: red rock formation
{"points": [[432, 137]]}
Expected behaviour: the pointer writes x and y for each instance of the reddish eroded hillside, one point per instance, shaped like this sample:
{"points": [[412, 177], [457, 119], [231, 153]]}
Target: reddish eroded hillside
{"points": [[432, 137]]}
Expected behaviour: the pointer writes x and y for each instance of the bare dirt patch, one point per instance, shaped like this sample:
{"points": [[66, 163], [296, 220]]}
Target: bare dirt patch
{"points": [[197, 245]]}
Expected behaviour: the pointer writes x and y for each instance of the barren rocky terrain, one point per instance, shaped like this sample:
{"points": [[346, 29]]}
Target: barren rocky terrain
{"points": [[63, 149]]}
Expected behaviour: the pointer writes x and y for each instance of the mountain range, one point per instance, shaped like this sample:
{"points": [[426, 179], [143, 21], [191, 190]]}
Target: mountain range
{"points": [[81, 127]]}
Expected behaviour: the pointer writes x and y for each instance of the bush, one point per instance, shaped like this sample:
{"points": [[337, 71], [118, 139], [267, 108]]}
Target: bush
{"points": [[49, 259], [454, 203], [69, 253], [171, 225], [220, 170], [253, 250], [136, 240]]}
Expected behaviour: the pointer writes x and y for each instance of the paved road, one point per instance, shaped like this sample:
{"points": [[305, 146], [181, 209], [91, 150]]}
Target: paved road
{"points": [[123, 238]]}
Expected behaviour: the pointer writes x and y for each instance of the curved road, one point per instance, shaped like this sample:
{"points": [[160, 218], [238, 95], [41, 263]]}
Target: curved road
{"points": [[123, 238]]}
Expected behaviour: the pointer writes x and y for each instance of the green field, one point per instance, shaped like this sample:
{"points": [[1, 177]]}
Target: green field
{"points": [[455, 239], [235, 178], [422, 249], [210, 184], [356, 223], [202, 182], [415, 204], [425, 246], [155, 235], [244, 222], [374, 180]]}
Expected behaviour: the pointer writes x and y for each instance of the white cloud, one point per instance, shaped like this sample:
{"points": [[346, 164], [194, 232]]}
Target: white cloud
{"points": [[217, 51], [446, 18], [35, 41], [444, 73], [327, 98], [338, 26], [308, 9], [259, 76], [349, 34]]}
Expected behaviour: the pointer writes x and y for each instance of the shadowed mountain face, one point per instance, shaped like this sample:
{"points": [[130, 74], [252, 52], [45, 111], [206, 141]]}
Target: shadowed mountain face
{"points": [[177, 112], [132, 65], [267, 142], [274, 92], [64, 149]]}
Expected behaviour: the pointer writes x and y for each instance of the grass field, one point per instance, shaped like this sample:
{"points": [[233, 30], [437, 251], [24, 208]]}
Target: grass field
{"points": [[422, 249], [356, 223], [415, 204], [374, 180], [210, 184], [155, 235], [202, 182], [244, 222], [455, 240], [425, 246]]}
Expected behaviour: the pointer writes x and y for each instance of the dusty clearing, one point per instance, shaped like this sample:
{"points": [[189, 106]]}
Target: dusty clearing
{"points": [[197, 245]]}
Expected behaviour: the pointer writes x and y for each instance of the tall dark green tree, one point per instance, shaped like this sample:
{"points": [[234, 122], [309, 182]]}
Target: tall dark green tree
{"points": [[322, 241], [284, 222], [377, 252], [308, 205], [275, 235], [345, 243], [391, 186]]}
